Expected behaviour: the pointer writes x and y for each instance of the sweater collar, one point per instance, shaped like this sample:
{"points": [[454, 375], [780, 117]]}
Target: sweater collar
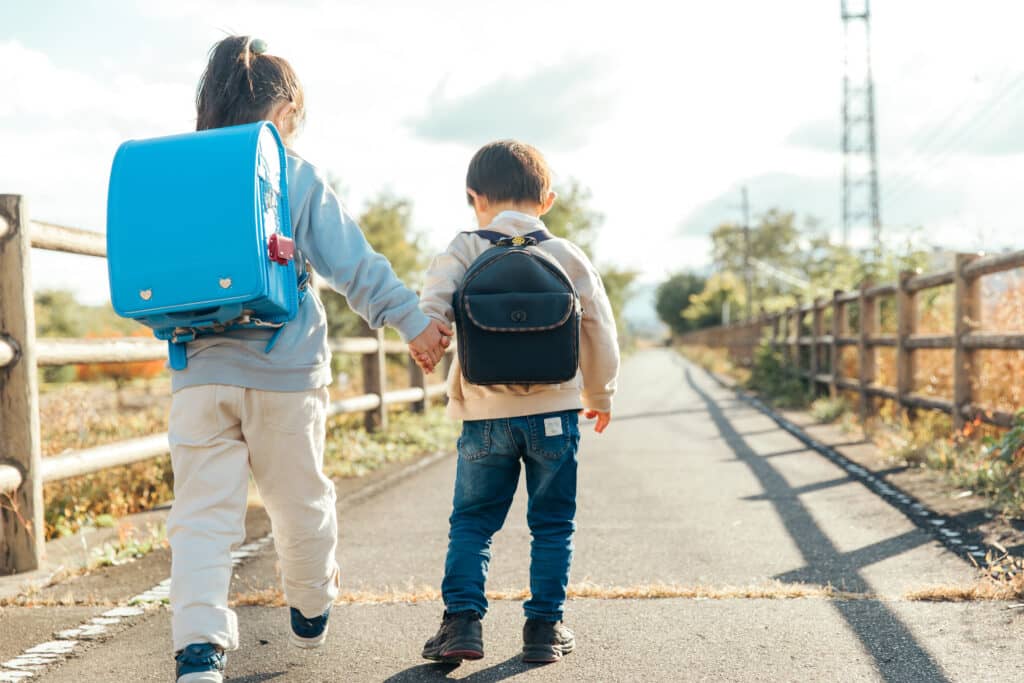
{"points": [[515, 223]]}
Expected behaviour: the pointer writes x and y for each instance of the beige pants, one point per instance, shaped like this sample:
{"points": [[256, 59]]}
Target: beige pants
{"points": [[218, 434]]}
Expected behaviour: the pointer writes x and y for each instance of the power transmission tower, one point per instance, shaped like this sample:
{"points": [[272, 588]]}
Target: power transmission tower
{"points": [[860, 158]]}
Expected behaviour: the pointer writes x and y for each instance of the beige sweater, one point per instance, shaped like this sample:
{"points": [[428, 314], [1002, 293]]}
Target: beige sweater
{"points": [[599, 350]]}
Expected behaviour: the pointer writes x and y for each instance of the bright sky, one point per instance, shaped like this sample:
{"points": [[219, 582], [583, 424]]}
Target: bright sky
{"points": [[662, 109]]}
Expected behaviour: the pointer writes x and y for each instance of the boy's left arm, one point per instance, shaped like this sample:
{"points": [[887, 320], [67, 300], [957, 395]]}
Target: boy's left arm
{"points": [[599, 346]]}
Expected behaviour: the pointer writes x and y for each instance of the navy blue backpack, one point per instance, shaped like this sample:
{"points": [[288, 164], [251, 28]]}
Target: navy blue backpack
{"points": [[517, 315]]}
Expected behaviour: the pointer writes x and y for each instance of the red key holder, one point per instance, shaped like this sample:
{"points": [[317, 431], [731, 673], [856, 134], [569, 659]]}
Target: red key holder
{"points": [[281, 249]]}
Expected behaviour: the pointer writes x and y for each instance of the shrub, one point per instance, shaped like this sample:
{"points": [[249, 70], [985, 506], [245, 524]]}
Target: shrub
{"points": [[776, 383]]}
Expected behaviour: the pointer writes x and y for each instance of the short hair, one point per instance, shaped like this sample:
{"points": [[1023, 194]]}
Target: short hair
{"points": [[509, 170], [242, 85]]}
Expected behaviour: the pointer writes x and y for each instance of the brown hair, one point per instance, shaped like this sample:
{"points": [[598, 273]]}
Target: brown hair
{"points": [[242, 85], [509, 170]]}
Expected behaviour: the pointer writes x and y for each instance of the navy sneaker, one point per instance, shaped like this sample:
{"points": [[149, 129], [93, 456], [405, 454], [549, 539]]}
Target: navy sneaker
{"points": [[545, 642], [309, 633], [200, 663], [461, 636]]}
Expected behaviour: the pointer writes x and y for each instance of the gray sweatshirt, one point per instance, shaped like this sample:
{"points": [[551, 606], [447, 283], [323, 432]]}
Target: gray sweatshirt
{"points": [[330, 240]]}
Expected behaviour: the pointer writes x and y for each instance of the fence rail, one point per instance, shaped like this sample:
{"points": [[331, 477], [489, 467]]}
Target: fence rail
{"points": [[813, 354], [22, 469]]}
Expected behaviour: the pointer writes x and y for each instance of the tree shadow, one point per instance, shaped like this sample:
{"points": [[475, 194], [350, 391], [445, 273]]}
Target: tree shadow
{"points": [[897, 654]]}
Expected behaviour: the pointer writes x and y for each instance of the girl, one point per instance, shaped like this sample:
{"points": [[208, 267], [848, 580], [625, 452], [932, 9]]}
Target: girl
{"points": [[237, 409]]}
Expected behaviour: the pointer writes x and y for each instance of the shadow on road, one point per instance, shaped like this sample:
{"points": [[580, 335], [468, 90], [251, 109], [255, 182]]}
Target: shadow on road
{"points": [[259, 678], [659, 413], [513, 666], [898, 656]]}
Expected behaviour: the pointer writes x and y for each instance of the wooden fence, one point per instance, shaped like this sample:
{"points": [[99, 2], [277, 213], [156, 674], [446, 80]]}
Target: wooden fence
{"points": [[813, 353], [22, 469]]}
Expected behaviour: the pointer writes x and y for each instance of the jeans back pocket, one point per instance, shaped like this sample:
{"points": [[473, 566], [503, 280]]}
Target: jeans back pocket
{"points": [[475, 440], [554, 434]]}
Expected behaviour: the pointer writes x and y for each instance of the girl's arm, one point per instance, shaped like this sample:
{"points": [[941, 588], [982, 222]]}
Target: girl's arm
{"points": [[331, 240]]}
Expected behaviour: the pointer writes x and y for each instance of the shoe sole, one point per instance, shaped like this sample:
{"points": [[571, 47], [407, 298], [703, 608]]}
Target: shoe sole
{"points": [[546, 654], [455, 655], [308, 643], [201, 677]]}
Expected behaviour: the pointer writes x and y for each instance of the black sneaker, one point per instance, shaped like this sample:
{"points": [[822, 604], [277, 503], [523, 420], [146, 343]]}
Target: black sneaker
{"points": [[461, 636], [545, 641]]}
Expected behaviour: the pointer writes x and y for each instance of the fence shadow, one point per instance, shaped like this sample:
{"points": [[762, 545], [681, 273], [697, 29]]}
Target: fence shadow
{"points": [[896, 653]]}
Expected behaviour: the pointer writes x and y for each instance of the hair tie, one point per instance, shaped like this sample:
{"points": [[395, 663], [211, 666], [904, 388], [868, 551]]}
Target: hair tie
{"points": [[258, 46]]}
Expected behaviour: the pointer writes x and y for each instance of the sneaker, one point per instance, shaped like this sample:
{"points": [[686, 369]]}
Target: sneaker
{"points": [[200, 663], [461, 636], [309, 633], [545, 641]]}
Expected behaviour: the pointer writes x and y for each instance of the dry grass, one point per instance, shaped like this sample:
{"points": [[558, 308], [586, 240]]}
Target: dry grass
{"points": [[1001, 579], [273, 597]]}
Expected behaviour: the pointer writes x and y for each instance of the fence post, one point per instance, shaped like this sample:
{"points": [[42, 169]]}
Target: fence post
{"points": [[866, 354], [21, 511], [374, 382], [775, 331], [418, 379], [838, 329], [817, 321], [794, 349], [906, 323], [966, 317]]}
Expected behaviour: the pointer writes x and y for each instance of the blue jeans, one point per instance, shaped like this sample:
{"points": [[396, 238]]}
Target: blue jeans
{"points": [[485, 482]]}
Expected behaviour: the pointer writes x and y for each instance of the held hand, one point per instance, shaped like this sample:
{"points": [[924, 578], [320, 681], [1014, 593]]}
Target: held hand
{"points": [[603, 419], [428, 348]]}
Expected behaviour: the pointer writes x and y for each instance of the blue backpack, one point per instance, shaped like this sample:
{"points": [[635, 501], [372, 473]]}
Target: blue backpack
{"points": [[199, 236], [517, 315]]}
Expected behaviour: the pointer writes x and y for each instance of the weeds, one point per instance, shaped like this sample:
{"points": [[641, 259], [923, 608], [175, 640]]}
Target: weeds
{"points": [[827, 410], [128, 546]]}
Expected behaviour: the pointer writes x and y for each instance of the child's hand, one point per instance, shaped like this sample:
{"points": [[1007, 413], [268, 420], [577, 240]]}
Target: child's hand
{"points": [[428, 348], [603, 419]]}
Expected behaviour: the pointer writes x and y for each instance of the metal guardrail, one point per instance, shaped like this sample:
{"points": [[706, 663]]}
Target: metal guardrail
{"points": [[22, 469], [813, 353]]}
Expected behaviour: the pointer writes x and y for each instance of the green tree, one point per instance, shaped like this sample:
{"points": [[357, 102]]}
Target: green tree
{"points": [[722, 291], [574, 219], [673, 297]]}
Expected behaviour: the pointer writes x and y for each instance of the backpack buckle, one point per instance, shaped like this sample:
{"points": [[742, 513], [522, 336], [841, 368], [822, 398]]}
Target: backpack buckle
{"points": [[281, 249], [517, 241]]}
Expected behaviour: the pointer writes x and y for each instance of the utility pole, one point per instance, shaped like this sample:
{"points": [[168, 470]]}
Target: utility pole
{"points": [[860, 157], [748, 287]]}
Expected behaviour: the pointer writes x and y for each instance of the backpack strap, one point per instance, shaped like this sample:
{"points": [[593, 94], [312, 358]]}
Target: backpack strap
{"points": [[497, 238]]}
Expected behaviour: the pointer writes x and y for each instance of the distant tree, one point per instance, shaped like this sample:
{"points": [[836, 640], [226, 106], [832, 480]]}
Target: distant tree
{"points": [[722, 291], [673, 297], [572, 217]]}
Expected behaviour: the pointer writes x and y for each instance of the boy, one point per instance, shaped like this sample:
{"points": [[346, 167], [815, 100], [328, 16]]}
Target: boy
{"points": [[509, 187]]}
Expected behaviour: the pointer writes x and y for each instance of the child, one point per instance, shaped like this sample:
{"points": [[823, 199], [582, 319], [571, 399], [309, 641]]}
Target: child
{"points": [[238, 409], [509, 188]]}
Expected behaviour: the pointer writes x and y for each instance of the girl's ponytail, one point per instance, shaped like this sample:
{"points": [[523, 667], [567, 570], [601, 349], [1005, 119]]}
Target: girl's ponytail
{"points": [[242, 84]]}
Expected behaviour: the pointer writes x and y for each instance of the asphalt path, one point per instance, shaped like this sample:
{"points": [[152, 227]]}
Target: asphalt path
{"points": [[690, 488]]}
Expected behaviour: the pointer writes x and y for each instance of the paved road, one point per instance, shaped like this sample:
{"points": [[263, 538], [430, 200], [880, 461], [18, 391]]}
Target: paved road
{"points": [[689, 487]]}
